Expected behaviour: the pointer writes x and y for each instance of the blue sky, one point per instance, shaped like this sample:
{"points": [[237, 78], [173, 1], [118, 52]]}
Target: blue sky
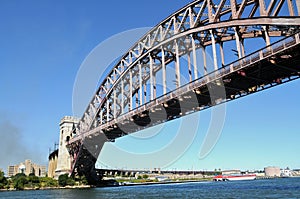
{"points": [[43, 44]]}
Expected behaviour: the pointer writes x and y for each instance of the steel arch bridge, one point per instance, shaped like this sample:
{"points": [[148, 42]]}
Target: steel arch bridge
{"points": [[208, 52]]}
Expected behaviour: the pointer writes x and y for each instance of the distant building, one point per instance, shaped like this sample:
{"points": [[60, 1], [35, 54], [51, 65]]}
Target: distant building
{"points": [[296, 172], [67, 124], [27, 168], [230, 172], [272, 171], [12, 170], [52, 163], [286, 172]]}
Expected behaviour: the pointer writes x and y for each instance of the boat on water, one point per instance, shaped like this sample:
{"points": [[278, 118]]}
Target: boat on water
{"points": [[234, 177]]}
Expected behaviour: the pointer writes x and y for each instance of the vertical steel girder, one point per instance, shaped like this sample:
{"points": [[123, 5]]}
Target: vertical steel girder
{"points": [[163, 64], [177, 64], [130, 91], [194, 58], [141, 84]]}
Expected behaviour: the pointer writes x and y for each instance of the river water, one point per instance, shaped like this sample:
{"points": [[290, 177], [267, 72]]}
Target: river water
{"points": [[267, 188]]}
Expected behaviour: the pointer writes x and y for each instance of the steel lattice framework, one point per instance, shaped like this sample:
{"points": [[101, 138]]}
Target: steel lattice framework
{"points": [[125, 99]]}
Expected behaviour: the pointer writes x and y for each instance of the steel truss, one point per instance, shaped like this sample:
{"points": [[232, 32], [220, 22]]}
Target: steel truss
{"points": [[129, 94]]}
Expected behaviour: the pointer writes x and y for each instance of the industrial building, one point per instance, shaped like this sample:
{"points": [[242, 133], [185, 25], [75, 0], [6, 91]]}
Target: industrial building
{"points": [[272, 171]]}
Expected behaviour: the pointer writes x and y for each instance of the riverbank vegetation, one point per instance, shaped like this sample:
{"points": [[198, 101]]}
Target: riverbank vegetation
{"points": [[23, 182]]}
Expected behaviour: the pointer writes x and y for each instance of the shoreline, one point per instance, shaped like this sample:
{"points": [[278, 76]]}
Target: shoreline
{"points": [[104, 185], [48, 188], [165, 182], [119, 184]]}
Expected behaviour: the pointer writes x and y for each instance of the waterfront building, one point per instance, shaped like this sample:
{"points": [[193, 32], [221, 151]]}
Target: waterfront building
{"points": [[67, 124], [272, 171], [286, 172], [230, 172], [27, 168], [296, 172]]}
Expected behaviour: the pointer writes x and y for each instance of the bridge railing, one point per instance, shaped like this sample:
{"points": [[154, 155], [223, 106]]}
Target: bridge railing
{"points": [[263, 52]]}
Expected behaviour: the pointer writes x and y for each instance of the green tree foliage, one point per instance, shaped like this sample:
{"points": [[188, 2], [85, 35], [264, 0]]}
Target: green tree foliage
{"points": [[19, 182], [70, 182], [3, 180], [19, 175], [33, 179], [48, 182], [84, 180], [64, 180], [145, 176]]}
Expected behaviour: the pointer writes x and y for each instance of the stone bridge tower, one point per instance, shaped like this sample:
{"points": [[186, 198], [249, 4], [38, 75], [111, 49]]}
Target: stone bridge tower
{"points": [[66, 125]]}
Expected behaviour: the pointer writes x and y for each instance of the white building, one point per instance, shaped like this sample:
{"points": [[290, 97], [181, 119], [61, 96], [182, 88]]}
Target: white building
{"points": [[286, 172]]}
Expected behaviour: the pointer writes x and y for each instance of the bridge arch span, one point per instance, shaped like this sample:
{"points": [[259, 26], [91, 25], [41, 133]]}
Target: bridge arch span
{"points": [[204, 28]]}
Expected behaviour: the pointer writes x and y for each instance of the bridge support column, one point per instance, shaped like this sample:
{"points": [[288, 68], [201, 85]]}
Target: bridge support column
{"points": [[238, 43], [189, 66], [151, 78], [194, 58], [266, 35], [130, 90], [213, 45], [141, 84], [122, 96], [145, 89], [136, 99], [115, 103], [154, 86], [204, 60], [222, 54], [107, 110], [242, 48], [101, 117], [163, 65], [177, 65]]}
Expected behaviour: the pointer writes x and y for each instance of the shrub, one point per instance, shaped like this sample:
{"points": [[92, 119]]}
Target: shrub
{"points": [[20, 182], [62, 180]]}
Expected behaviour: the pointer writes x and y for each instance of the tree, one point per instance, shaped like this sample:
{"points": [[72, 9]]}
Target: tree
{"points": [[3, 180], [48, 182], [33, 179], [19, 182], [84, 180], [70, 182], [19, 175], [145, 176], [62, 180]]}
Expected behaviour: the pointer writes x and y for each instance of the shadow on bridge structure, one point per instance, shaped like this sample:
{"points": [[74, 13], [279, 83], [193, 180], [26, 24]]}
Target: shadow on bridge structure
{"points": [[206, 53]]}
